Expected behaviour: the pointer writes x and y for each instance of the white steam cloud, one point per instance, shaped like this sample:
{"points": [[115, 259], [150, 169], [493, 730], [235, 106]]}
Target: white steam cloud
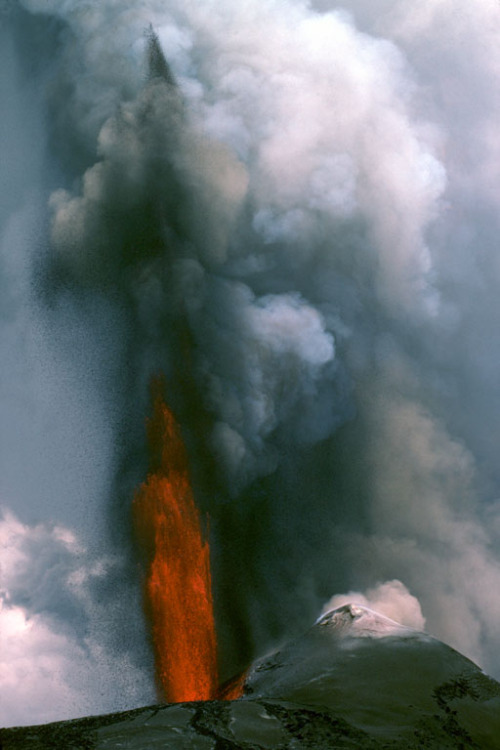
{"points": [[291, 209], [55, 660], [391, 599]]}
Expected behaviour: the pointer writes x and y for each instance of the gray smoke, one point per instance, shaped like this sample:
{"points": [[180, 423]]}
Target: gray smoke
{"points": [[291, 211]]}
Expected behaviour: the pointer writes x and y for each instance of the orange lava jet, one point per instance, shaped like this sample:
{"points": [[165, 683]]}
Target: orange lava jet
{"points": [[232, 689], [178, 582]]}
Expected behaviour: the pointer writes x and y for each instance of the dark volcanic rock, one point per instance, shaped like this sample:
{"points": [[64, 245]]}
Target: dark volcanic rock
{"points": [[211, 725], [354, 680]]}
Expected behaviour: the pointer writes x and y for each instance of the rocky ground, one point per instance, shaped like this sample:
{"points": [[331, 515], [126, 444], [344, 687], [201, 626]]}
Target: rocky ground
{"points": [[354, 680]]}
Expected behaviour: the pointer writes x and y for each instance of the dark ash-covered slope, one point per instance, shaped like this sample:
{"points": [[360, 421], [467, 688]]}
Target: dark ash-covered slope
{"points": [[355, 680]]}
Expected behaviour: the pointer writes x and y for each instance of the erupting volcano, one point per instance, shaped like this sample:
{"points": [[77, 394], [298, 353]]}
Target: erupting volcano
{"points": [[178, 595]]}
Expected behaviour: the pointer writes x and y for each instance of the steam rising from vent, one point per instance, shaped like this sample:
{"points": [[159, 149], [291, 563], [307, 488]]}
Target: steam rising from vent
{"points": [[391, 599], [291, 209]]}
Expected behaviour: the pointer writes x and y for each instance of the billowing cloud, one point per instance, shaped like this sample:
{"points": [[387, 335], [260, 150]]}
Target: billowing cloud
{"points": [[391, 599], [176, 188], [56, 644]]}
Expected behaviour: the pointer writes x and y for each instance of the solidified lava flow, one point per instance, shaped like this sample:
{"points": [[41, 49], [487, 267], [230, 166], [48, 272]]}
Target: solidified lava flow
{"points": [[178, 595]]}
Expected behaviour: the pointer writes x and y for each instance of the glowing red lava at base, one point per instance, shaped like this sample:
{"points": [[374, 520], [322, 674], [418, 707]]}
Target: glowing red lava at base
{"points": [[178, 582]]}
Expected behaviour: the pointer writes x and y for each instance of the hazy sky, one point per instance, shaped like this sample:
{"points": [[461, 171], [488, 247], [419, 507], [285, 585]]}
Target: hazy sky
{"points": [[291, 210]]}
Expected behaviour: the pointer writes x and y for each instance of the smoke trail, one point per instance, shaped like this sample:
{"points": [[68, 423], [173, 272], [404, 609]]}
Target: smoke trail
{"points": [[292, 212]]}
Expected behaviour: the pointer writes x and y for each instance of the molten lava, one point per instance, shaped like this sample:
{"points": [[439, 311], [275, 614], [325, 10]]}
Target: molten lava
{"points": [[232, 689], [178, 582]]}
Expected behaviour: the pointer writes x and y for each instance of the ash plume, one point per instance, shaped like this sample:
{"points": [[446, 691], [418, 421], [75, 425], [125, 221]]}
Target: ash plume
{"points": [[290, 210]]}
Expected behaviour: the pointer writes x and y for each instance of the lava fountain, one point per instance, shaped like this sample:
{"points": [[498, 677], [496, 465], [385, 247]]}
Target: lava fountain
{"points": [[178, 594]]}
